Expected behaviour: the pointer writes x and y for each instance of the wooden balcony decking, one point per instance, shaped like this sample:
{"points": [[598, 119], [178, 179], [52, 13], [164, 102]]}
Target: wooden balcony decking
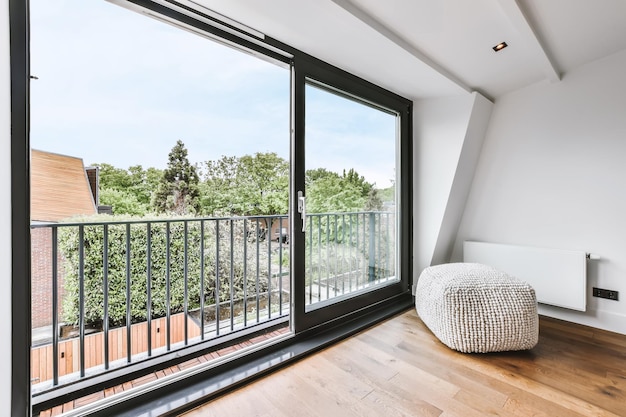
{"points": [[71, 405], [398, 368]]}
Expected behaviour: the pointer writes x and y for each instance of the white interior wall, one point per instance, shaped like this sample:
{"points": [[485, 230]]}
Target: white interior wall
{"points": [[447, 137], [5, 209], [463, 177], [439, 128], [552, 174]]}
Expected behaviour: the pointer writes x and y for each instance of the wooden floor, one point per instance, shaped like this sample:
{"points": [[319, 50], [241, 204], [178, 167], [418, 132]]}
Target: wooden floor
{"points": [[399, 368]]}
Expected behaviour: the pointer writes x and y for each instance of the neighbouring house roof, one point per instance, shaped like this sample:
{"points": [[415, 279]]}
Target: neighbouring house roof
{"points": [[59, 187]]}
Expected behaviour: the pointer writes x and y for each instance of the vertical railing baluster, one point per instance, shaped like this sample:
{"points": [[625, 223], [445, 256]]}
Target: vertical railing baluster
{"points": [[105, 292], [391, 240], [343, 253], [168, 285], [319, 257], [336, 254], [365, 273], [258, 269], [186, 280], [269, 268], [128, 295], [81, 297], [379, 247], [350, 254], [201, 279], [280, 266], [245, 272], [310, 260], [217, 277], [387, 253], [55, 308], [327, 256], [149, 286], [232, 275], [357, 253], [372, 248]]}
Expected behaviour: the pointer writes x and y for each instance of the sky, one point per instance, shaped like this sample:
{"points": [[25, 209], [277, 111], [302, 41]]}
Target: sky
{"points": [[118, 87]]}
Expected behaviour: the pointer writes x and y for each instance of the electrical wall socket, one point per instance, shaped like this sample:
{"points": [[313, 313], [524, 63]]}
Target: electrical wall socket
{"points": [[609, 294]]}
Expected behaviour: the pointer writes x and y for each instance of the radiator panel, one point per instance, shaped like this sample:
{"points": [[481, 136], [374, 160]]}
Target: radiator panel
{"points": [[559, 277]]}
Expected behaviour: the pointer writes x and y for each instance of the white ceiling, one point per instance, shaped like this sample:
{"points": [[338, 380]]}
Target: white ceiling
{"points": [[428, 48]]}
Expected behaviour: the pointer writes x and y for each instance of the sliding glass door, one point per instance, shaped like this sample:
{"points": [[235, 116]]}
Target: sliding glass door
{"points": [[349, 161], [351, 230], [190, 195]]}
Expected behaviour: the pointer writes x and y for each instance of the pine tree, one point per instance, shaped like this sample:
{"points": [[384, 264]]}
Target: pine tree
{"points": [[178, 190]]}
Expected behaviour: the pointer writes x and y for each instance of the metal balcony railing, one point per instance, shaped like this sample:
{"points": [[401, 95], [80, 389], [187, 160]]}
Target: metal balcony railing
{"points": [[128, 292], [348, 252]]}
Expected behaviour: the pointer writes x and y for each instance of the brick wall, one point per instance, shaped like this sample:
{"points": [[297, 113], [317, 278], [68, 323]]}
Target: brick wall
{"points": [[41, 278]]}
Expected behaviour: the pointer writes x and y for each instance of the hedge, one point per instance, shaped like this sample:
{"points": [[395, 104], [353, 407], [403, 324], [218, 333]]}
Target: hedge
{"points": [[93, 243]]}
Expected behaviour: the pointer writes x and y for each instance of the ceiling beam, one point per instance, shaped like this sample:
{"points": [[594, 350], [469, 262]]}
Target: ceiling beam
{"points": [[521, 23], [399, 41]]}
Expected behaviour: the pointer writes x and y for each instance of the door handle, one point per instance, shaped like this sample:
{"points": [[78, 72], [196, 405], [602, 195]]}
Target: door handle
{"points": [[302, 209]]}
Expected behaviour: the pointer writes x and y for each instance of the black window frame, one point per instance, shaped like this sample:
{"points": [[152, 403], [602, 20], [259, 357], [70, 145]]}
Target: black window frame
{"points": [[344, 83], [304, 66]]}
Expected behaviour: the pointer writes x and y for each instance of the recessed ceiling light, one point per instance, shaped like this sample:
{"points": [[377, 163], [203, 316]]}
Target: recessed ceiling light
{"points": [[500, 46]]}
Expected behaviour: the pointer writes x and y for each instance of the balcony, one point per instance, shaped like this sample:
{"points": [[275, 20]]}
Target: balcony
{"points": [[128, 295]]}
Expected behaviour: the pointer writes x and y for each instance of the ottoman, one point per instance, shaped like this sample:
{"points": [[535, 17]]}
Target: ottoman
{"points": [[476, 308]]}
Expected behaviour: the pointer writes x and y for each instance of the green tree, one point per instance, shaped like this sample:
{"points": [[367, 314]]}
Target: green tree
{"points": [[388, 194], [246, 186], [313, 175], [123, 202], [113, 178], [177, 191], [329, 192], [373, 202], [144, 182], [353, 177], [332, 194], [128, 191]]}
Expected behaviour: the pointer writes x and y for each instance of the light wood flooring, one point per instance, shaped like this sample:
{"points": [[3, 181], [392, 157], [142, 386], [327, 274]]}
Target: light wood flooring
{"points": [[398, 368]]}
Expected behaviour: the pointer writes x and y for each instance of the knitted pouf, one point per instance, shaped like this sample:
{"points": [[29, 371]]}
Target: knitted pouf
{"points": [[476, 308]]}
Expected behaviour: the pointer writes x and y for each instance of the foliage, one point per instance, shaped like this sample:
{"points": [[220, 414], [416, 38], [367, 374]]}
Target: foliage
{"points": [[388, 194], [246, 186], [128, 191], [123, 202], [249, 185], [373, 201], [328, 192], [177, 191], [333, 194], [221, 231]]}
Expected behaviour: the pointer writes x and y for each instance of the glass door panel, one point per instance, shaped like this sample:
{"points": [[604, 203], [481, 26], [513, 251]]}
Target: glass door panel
{"points": [[178, 232], [350, 182]]}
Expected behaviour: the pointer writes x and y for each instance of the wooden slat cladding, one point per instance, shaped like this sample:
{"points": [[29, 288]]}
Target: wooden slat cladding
{"points": [[211, 356], [41, 356], [59, 187], [399, 368]]}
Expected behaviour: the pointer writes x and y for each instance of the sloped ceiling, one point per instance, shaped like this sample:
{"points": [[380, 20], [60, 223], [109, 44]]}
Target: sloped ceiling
{"points": [[429, 48]]}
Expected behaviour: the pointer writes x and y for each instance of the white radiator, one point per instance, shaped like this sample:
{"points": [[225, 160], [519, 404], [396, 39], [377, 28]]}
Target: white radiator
{"points": [[559, 277]]}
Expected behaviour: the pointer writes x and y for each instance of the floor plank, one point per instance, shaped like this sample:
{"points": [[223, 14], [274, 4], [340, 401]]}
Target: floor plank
{"points": [[398, 368]]}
